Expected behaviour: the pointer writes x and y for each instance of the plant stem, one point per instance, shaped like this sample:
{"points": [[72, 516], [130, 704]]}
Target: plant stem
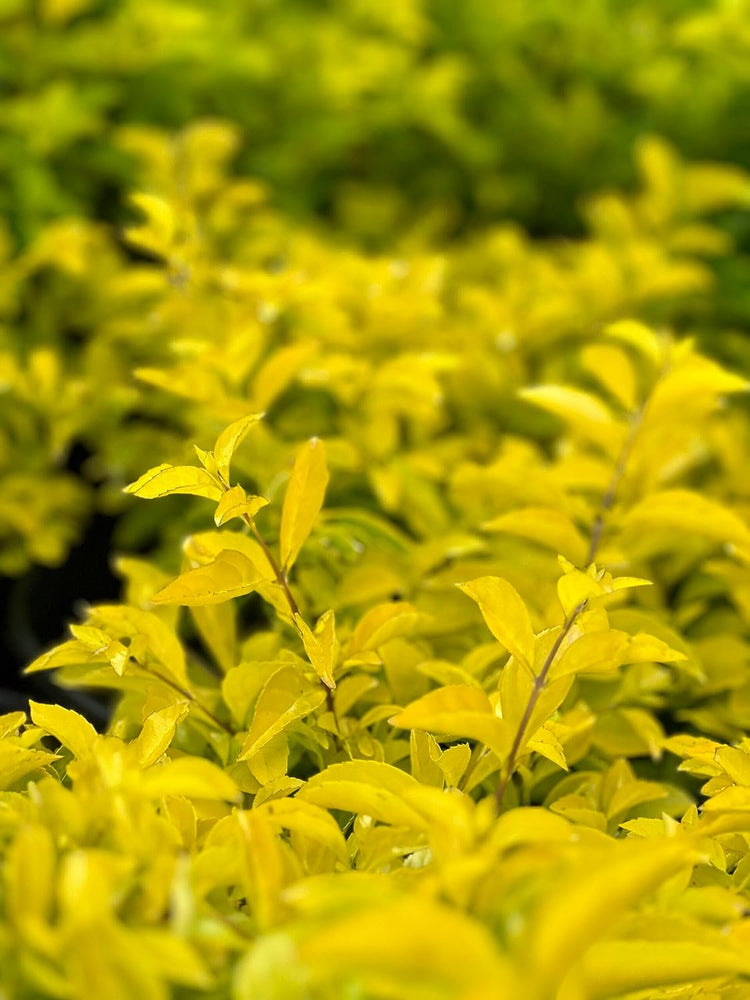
{"points": [[189, 696], [536, 691]]}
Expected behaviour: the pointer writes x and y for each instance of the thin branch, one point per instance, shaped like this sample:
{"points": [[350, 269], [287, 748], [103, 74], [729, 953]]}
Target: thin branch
{"points": [[597, 531], [610, 493], [189, 696], [536, 691]]}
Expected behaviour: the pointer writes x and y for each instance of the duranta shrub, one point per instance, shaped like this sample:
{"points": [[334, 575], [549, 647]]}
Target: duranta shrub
{"points": [[426, 444]]}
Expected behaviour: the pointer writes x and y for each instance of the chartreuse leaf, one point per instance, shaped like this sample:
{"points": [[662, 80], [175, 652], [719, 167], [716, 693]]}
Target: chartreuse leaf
{"points": [[236, 503], [688, 513], [372, 788], [67, 726], [299, 816], [413, 947], [381, 624], [303, 499], [458, 710], [545, 525], [193, 777], [230, 574], [629, 872], [321, 645], [230, 438], [164, 480], [158, 732], [30, 885], [614, 968], [505, 613], [286, 697]]}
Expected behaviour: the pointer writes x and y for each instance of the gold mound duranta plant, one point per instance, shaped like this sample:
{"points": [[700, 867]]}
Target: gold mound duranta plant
{"points": [[357, 755]]}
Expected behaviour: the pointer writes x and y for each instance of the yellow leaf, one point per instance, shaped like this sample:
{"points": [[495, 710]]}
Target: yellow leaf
{"points": [[303, 499], [10, 722], [321, 646], [16, 762], [453, 763], [628, 870], [586, 415], [230, 438], [271, 762], [158, 732], [544, 742], [230, 574], [736, 763], [67, 726], [644, 648], [286, 697], [413, 944], [575, 587], [30, 884], [614, 968], [635, 334], [308, 819], [612, 367], [505, 613], [688, 513], [194, 777], [236, 503], [547, 526], [157, 233], [381, 624], [164, 480], [371, 788], [593, 653], [458, 710]]}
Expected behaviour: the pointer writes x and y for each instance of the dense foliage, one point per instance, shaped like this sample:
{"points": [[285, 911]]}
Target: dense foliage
{"points": [[430, 679]]}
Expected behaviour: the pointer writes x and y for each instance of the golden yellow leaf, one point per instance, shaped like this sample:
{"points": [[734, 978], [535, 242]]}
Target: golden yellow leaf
{"points": [[67, 726], [194, 777], [381, 624], [230, 574], [505, 613], [164, 480], [158, 732], [321, 645], [286, 697], [303, 499], [229, 439], [458, 710], [545, 525], [236, 503]]}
